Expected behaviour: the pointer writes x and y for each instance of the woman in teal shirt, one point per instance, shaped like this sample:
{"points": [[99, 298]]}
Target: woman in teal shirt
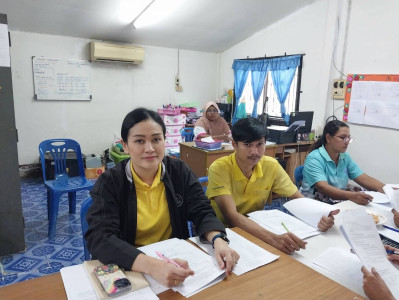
{"points": [[328, 169]]}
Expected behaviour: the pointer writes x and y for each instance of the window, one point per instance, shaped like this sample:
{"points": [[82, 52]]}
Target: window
{"points": [[273, 105], [268, 101]]}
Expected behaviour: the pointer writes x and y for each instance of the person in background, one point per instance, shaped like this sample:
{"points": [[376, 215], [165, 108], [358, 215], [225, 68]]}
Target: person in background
{"points": [[149, 198], [328, 168], [243, 182], [373, 285], [212, 124]]}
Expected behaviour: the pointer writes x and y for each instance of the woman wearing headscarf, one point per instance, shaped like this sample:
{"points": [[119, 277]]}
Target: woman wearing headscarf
{"points": [[212, 124]]}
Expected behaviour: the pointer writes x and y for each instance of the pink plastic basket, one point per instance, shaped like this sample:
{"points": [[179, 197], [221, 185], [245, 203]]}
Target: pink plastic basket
{"points": [[215, 145], [169, 111]]}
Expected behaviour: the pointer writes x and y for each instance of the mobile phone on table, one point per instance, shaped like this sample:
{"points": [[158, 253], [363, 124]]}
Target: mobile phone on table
{"points": [[112, 279]]}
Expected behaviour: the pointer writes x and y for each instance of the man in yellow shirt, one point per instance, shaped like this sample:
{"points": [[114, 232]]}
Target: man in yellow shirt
{"points": [[243, 182]]}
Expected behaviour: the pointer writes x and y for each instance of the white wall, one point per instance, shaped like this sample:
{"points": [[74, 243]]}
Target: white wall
{"points": [[116, 88], [371, 48]]}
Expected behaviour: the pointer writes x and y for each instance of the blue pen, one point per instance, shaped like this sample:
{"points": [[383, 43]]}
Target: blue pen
{"points": [[393, 229], [393, 252]]}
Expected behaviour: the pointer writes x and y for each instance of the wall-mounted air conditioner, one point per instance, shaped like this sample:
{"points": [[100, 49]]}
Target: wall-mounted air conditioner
{"points": [[116, 52]]}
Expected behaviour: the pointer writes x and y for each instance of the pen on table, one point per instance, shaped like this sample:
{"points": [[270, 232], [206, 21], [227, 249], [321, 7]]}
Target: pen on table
{"points": [[392, 252], [390, 228], [160, 255], [285, 227]]}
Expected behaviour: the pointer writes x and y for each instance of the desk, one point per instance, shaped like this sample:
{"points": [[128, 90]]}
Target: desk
{"points": [[285, 278], [199, 160]]}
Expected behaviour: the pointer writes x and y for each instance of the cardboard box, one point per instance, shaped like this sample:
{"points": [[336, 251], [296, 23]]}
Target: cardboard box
{"points": [[93, 173]]}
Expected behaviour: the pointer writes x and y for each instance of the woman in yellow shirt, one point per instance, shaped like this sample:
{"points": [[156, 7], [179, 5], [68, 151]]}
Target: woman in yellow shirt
{"points": [[149, 198]]}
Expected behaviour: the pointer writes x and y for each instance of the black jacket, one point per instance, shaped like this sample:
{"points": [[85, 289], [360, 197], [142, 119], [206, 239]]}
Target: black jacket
{"points": [[112, 217]]}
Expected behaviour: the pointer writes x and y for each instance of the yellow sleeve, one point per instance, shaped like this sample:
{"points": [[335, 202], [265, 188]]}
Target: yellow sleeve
{"points": [[219, 179], [283, 184]]}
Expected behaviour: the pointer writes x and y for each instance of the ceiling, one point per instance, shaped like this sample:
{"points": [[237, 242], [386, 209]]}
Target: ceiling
{"points": [[200, 25]]}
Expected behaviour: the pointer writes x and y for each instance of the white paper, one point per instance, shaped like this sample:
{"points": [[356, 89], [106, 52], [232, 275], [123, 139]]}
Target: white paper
{"points": [[360, 230], [78, 286], [4, 46], [208, 139], [392, 194], [274, 218], [204, 266], [251, 256], [341, 262], [309, 210], [378, 197]]}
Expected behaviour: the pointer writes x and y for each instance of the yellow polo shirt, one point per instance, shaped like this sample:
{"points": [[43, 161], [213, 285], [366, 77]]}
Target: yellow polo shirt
{"points": [[226, 178], [153, 219]]}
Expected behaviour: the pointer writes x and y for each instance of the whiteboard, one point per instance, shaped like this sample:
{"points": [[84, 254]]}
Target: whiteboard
{"points": [[61, 79], [372, 100]]}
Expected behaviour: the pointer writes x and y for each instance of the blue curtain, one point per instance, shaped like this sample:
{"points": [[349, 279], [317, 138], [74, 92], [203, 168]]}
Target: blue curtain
{"points": [[282, 80], [259, 69], [257, 81], [240, 78]]}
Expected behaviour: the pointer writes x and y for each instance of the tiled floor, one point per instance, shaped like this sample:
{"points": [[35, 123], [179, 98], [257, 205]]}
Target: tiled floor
{"points": [[44, 256]]}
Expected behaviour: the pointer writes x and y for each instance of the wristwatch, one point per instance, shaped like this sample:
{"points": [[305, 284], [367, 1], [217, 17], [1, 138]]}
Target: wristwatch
{"points": [[222, 236]]}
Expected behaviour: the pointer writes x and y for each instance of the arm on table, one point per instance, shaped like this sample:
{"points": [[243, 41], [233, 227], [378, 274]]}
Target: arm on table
{"points": [[336, 193], [225, 256], [369, 183], [287, 242], [166, 273]]}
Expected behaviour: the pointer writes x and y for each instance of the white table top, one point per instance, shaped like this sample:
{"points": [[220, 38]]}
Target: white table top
{"points": [[333, 238]]}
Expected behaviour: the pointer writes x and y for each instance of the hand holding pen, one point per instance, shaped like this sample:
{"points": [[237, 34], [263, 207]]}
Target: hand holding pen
{"points": [[175, 276], [393, 254]]}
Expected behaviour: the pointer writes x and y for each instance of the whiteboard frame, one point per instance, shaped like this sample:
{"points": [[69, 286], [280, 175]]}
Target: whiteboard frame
{"points": [[61, 79]]}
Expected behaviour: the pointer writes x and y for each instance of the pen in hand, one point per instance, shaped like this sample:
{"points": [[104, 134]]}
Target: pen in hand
{"points": [[160, 255], [392, 252], [285, 227]]}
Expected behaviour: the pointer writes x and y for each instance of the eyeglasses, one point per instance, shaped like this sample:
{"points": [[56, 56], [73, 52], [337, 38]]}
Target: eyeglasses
{"points": [[346, 139], [212, 111]]}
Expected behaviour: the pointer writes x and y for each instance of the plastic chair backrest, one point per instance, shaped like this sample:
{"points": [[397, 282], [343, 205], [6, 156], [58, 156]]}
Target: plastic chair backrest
{"points": [[187, 134], [58, 149], [298, 175], [202, 180], [83, 212]]}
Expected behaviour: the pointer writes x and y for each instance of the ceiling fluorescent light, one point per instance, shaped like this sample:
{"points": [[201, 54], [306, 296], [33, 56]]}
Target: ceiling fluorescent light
{"points": [[156, 11]]}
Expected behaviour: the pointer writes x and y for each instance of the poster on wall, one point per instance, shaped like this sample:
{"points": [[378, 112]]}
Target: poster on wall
{"points": [[372, 100], [61, 79]]}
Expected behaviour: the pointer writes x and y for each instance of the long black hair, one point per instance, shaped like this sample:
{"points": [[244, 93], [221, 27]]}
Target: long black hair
{"points": [[331, 128], [139, 115]]}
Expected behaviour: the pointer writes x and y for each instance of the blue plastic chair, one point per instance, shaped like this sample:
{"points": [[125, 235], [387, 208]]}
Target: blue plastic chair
{"points": [[83, 212], [298, 175], [202, 180], [61, 183], [187, 134], [191, 227]]}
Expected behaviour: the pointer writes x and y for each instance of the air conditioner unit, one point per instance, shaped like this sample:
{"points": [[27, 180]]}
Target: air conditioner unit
{"points": [[116, 52]]}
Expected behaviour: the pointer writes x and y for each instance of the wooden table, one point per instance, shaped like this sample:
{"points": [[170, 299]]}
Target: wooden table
{"points": [[285, 278], [199, 160]]}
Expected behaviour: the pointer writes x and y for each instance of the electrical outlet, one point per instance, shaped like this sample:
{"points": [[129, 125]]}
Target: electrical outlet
{"points": [[338, 89]]}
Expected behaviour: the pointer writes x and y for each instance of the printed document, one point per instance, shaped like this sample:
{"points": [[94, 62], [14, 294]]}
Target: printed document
{"points": [[359, 229], [392, 192], [204, 266], [274, 219], [251, 256], [309, 210]]}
